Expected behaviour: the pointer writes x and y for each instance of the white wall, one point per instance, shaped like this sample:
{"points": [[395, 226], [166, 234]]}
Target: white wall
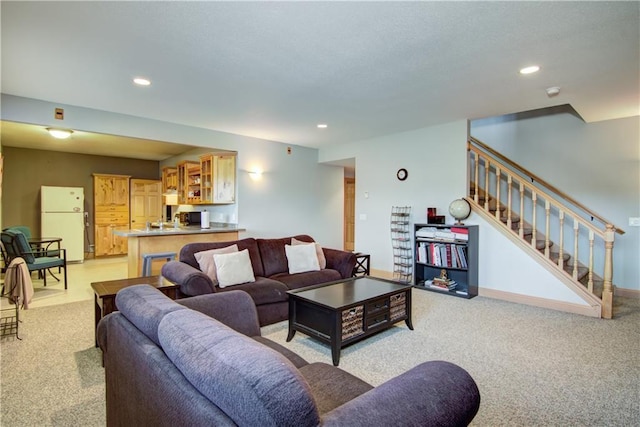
{"points": [[598, 164], [436, 160], [501, 265], [296, 194]]}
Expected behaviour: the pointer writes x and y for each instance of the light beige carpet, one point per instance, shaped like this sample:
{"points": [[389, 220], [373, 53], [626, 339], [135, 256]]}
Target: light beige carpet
{"points": [[54, 375], [534, 367]]}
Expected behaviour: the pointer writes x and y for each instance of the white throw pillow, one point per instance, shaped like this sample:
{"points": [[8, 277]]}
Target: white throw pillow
{"points": [[322, 260], [206, 262], [234, 268], [301, 258]]}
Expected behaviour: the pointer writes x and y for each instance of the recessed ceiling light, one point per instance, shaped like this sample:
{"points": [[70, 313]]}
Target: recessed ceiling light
{"points": [[322, 126], [530, 70], [141, 81]]}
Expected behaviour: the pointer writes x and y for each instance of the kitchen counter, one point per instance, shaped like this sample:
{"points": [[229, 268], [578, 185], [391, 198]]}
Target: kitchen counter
{"points": [[170, 229], [170, 239]]}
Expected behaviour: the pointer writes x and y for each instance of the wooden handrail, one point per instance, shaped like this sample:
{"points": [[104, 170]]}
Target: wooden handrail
{"points": [[541, 181]]}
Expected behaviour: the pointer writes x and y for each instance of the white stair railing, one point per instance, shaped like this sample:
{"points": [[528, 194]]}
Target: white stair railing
{"points": [[571, 237]]}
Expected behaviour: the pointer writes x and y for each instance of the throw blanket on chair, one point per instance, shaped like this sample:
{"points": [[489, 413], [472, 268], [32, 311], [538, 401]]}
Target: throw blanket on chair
{"points": [[17, 283]]}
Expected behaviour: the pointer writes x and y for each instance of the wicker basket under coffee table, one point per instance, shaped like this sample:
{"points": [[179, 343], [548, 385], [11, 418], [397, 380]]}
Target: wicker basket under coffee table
{"points": [[343, 312]]}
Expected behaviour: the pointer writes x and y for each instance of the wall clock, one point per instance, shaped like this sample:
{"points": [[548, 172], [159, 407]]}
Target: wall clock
{"points": [[402, 174]]}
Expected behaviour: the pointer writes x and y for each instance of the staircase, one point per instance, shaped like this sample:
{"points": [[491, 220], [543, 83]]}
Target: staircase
{"points": [[570, 240]]}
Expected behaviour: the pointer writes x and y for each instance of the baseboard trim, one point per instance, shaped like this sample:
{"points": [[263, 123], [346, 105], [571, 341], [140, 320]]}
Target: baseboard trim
{"points": [[567, 307], [626, 293], [536, 301], [382, 274]]}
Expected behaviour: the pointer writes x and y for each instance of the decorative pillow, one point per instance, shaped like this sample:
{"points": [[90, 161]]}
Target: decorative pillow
{"points": [[206, 263], [234, 268], [301, 258], [322, 260]]}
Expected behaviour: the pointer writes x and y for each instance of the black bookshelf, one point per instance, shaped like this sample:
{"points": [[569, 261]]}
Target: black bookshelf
{"points": [[437, 249]]}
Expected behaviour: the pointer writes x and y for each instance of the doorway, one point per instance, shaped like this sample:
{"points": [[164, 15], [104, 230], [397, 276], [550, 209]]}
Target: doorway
{"points": [[349, 213]]}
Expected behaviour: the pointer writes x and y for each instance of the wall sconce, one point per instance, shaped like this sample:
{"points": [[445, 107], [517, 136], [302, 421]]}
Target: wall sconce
{"points": [[60, 133], [255, 174]]}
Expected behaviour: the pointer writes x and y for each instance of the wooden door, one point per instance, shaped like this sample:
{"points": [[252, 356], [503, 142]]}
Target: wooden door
{"points": [[349, 213], [146, 202]]}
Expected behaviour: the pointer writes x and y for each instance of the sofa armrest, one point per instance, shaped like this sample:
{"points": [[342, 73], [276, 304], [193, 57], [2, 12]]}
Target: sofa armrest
{"points": [[235, 309], [192, 281], [435, 393], [342, 261]]}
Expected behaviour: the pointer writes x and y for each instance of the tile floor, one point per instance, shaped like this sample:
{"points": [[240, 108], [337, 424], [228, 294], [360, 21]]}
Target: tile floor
{"points": [[79, 278]]}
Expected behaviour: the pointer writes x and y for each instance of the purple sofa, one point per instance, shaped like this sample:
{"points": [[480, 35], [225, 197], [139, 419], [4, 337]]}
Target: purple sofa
{"points": [[270, 268], [201, 361]]}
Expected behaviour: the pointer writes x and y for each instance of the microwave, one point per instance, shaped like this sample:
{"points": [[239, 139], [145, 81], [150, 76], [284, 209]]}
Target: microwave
{"points": [[189, 218]]}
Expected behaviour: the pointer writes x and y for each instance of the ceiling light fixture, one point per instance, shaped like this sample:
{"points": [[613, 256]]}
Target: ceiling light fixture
{"points": [[141, 81], [530, 70], [322, 126], [60, 133]]}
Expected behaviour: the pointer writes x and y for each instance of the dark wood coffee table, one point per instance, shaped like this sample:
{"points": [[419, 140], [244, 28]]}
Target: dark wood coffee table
{"points": [[343, 312], [105, 293]]}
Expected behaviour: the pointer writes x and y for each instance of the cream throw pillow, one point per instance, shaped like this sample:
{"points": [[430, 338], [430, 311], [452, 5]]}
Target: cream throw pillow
{"points": [[206, 262], [322, 260], [234, 268], [301, 258]]}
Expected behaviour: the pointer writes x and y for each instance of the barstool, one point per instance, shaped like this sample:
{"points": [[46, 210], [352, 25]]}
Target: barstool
{"points": [[147, 259]]}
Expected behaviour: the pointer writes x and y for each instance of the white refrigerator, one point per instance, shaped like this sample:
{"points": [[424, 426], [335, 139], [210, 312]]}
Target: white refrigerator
{"points": [[62, 215]]}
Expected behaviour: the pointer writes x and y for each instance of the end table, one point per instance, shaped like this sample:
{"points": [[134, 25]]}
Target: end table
{"points": [[362, 265], [105, 293]]}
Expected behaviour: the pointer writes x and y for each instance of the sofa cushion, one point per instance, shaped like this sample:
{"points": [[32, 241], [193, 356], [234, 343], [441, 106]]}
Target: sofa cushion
{"points": [[274, 258], [187, 252], [233, 268], [331, 386], [309, 278], [301, 258], [297, 361], [322, 260], [228, 368], [206, 262], [263, 290], [145, 306]]}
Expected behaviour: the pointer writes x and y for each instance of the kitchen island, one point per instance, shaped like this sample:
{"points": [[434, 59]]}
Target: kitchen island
{"points": [[170, 239]]}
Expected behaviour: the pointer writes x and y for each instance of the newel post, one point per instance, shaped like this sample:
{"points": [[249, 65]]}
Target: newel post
{"points": [[607, 291]]}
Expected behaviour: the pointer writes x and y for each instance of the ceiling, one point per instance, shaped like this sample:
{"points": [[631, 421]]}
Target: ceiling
{"points": [[36, 137], [274, 70]]}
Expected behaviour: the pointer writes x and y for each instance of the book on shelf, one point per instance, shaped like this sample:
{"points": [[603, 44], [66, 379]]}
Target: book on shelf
{"points": [[443, 284], [438, 288], [460, 233], [441, 254], [444, 234], [428, 232]]}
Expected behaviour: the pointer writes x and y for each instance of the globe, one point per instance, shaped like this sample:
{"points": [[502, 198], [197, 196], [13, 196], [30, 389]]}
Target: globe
{"points": [[460, 209]]}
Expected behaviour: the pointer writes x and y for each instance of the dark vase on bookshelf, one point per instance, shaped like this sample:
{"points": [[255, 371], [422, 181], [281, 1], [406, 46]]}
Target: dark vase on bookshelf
{"points": [[446, 259]]}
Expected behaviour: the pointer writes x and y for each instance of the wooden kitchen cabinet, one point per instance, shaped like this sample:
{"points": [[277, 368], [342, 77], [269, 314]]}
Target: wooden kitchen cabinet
{"points": [[169, 179], [224, 178], [210, 181], [111, 212], [189, 183], [218, 178], [108, 243]]}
